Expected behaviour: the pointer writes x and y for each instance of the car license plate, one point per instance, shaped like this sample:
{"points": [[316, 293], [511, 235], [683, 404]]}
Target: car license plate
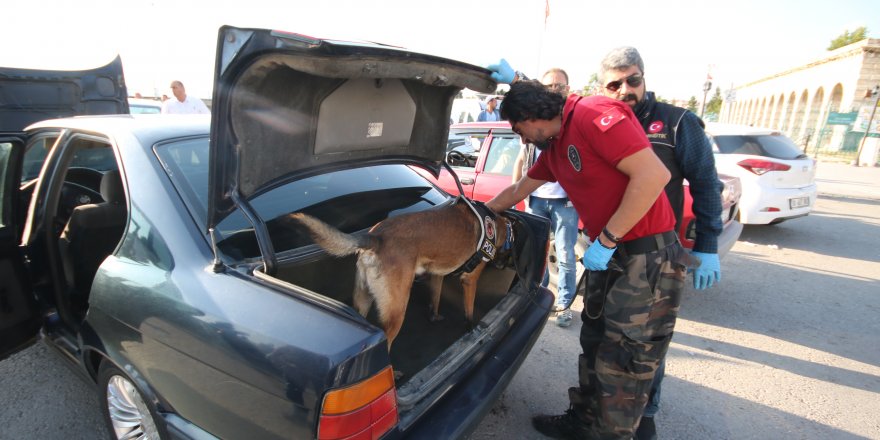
{"points": [[798, 202]]}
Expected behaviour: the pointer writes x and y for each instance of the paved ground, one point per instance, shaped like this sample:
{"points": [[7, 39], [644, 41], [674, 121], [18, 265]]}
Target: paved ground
{"points": [[785, 347]]}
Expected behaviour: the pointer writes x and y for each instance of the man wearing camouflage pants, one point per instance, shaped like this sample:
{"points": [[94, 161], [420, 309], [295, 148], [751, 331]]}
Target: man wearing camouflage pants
{"points": [[595, 148]]}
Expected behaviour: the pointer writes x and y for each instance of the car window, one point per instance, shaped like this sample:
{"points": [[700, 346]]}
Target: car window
{"points": [[34, 156], [502, 155], [144, 109], [5, 205], [350, 200], [465, 148], [775, 146]]}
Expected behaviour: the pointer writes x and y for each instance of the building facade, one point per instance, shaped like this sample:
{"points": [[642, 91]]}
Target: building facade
{"points": [[798, 101]]}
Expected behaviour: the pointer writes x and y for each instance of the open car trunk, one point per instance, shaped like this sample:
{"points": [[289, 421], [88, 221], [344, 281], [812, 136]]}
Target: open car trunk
{"points": [[433, 354]]}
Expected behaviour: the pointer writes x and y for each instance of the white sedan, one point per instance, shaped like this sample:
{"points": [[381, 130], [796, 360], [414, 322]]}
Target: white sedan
{"points": [[778, 179]]}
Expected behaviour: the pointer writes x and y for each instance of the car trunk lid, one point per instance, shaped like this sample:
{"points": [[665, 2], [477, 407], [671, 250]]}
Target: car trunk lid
{"points": [[287, 106]]}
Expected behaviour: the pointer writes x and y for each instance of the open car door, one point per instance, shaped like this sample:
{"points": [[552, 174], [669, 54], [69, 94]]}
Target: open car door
{"points": [[19, 312]]}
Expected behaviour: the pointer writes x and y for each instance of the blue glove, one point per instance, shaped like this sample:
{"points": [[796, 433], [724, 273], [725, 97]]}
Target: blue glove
{"points": [[597, 256], [708, 273], [502, 73]]}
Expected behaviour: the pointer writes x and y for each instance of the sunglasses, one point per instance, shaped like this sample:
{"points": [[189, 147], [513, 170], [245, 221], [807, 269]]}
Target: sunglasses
{"points": [[633, 80]]}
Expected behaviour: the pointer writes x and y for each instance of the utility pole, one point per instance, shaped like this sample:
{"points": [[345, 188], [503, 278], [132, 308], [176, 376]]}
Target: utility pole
{"points": [[706, 87]]}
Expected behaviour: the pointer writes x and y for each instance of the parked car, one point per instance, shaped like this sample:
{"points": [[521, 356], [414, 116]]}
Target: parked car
{"points": [[482, 154], [150, 253], [30, 95], [144, 106], [778, 179]]}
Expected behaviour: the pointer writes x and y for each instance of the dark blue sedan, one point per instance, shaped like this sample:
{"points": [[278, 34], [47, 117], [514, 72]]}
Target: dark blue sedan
{"points": [[150, 252]]}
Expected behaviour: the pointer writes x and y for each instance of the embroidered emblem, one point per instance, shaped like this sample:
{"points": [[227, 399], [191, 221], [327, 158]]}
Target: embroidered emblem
{"points": [[655, 127], [608, 119], [490, 227], [574, 157]]}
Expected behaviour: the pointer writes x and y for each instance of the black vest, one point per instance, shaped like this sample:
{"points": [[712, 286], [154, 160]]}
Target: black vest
{"points": [[660, 122]]}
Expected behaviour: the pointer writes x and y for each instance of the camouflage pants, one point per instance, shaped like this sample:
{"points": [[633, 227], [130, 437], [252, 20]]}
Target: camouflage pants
{"points": [[625, 334]]}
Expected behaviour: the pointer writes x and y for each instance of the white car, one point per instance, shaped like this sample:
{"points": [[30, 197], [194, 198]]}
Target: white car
{"points": [[144, 106], [778, 179]]}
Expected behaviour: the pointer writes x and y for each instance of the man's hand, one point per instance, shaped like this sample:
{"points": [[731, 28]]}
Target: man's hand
{"points": [[597, 256], [502, 73], [709, 271]]}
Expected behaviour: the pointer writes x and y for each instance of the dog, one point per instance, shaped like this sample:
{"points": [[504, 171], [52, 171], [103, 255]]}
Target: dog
{"points": [[435, 242]]}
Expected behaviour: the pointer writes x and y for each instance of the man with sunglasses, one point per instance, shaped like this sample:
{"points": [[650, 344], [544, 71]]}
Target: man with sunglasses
{"points": [[678, 138], [595, 148], [551, 201]]}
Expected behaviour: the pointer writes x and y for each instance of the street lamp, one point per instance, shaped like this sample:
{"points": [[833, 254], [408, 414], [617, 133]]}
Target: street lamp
{"points": [[873, 101], [706, 87]]}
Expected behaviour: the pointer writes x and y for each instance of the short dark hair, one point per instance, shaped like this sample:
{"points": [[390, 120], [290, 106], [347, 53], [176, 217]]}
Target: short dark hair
{"points": [[529, 100]]}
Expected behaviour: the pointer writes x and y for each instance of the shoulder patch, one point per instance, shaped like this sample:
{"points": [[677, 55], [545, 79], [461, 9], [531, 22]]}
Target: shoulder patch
{"points": [[608, 119]]}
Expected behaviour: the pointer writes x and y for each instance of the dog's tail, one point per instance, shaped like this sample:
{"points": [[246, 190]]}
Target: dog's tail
{"points": [[334, 241]]}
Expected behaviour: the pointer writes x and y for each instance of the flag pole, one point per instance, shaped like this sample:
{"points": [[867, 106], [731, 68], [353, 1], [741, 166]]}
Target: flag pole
{"points": [[541, 39]]}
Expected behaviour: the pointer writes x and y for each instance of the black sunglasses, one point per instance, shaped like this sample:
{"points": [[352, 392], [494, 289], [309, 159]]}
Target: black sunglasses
{"points": [[633, 80]]}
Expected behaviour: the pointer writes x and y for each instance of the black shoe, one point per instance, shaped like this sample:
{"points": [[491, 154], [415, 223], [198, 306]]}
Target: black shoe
{"points": [[565, 426], [646, 430]]}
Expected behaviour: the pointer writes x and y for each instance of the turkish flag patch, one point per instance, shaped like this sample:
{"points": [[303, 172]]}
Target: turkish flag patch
{"points": [[655, 127], [608, 119]]}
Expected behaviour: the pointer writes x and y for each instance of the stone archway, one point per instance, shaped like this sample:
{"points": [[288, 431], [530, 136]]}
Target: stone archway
{"points": [[769, 112], [786, 123], [779, 115], [797, 121], [762, 109], [814, 113], [833, 140]]}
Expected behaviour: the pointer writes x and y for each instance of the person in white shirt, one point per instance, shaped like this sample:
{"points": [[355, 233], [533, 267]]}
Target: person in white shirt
{"points": [[182, 104]]}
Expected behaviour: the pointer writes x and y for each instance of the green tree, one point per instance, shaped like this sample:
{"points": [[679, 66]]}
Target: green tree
{"points": [[847, 38], [592, 87], [692, 104], [714, 104]]}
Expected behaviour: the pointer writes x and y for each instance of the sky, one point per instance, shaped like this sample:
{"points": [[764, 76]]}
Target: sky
{"points": [[681, 42]]}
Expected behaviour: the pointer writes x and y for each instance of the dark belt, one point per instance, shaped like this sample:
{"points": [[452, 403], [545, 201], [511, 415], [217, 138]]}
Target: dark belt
{"points": [[643, 245]]}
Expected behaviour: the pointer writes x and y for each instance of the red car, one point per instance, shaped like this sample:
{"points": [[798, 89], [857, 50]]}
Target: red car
{"points": [[483, 153]]}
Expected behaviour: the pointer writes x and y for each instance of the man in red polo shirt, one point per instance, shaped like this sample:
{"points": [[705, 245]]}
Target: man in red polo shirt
{"points": [[596, 149]]}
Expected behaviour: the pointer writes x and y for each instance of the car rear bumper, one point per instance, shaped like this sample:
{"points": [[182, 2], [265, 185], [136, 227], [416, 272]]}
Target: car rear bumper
{"points": [[729, 235], [759, 210], [464, 407]]}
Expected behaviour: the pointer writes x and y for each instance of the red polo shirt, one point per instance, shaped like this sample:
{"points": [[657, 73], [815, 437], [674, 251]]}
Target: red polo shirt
{"points": [[597, 133]]}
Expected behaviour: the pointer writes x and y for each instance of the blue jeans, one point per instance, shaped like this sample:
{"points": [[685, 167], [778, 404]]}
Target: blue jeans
{"points": [[564, 220], [654, 397]]}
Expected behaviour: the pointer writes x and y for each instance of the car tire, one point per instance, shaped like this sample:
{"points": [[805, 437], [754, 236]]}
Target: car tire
{"points": [[126, 413]]}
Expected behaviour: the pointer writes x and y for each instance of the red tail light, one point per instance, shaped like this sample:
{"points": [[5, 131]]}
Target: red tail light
{"points": [[364, 411], [759, 166]]}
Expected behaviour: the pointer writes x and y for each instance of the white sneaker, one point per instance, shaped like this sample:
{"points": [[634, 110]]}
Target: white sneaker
{"points": [[563, 319]]}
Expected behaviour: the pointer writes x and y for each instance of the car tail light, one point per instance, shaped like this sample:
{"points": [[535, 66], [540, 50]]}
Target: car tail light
{"points": [[759, 166], [363, 411]]}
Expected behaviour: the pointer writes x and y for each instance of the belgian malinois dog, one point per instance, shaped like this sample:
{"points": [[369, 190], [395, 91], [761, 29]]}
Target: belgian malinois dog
{"points": [[434, 242]]}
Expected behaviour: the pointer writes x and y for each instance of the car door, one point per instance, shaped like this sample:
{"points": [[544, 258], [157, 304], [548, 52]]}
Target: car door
{"points": [[496, 165], [19, 317], [463, 155]]}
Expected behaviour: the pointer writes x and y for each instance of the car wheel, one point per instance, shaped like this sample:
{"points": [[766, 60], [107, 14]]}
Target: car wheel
{"points": [[126, 413]]}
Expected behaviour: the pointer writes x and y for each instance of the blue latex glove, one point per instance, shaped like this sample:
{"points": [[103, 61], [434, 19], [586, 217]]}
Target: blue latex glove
{"points": [[709, 272], [502, 73], [597, 256]]}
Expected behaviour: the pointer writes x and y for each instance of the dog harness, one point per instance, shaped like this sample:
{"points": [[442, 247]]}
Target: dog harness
{"points": [[486, 248]]}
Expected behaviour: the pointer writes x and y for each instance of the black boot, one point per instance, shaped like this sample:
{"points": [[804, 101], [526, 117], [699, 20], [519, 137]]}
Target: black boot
{"points": [[565, 426], [646, 429]]}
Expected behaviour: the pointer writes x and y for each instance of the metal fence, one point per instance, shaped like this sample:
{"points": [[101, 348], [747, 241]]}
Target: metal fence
{"points": [[833, 142]]}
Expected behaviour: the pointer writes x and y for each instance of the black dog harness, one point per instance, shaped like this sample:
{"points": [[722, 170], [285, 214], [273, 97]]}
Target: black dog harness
{"points": [[486, 249]]}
